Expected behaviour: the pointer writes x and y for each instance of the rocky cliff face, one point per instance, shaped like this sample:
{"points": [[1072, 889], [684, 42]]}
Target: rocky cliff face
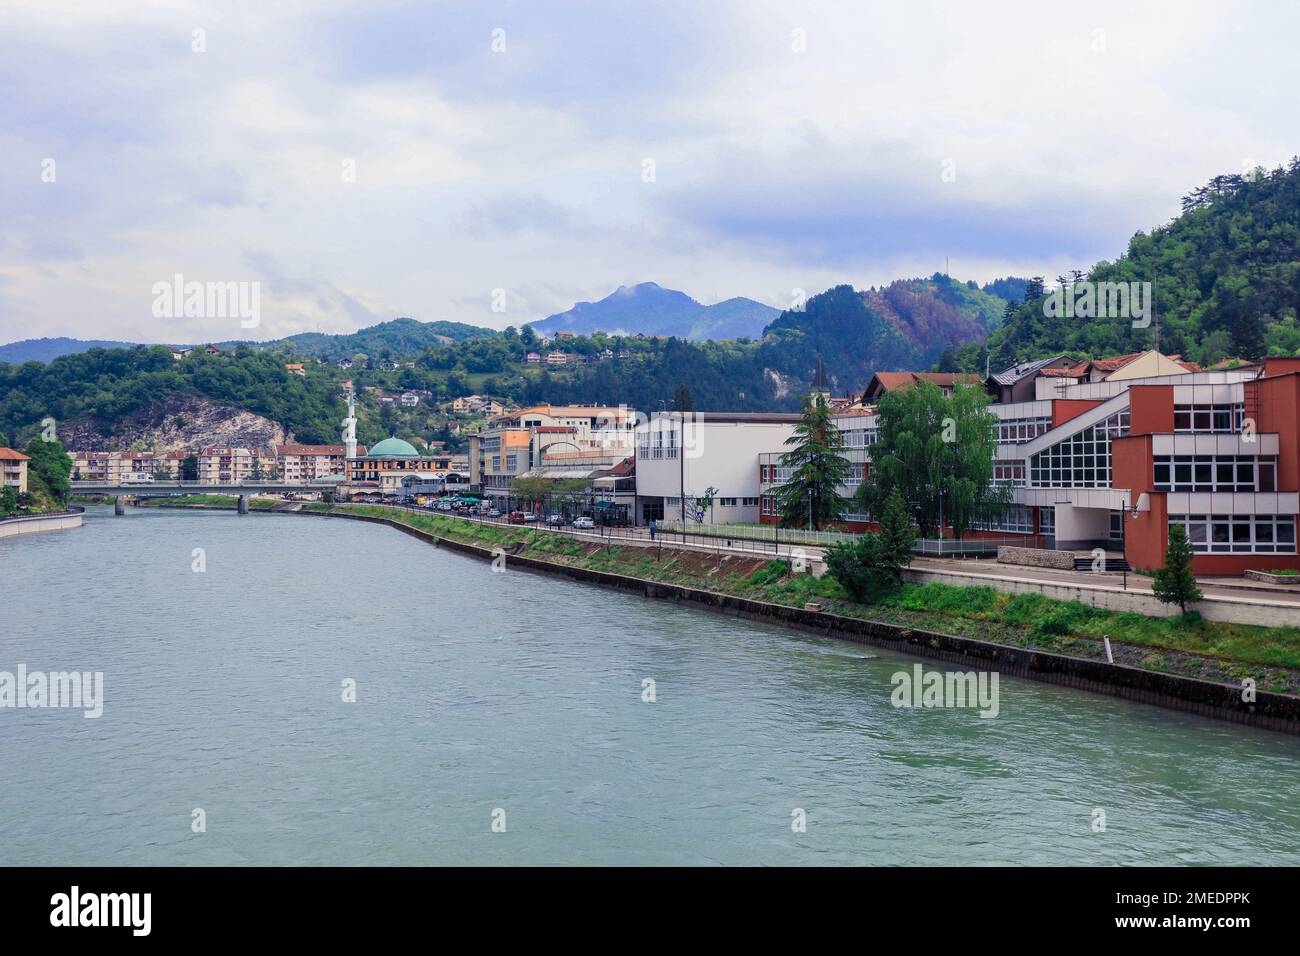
{"points": [[175, 423]]}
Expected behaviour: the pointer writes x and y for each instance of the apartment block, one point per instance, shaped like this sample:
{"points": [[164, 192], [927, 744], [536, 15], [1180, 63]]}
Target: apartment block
{"points": [[13, 469]]}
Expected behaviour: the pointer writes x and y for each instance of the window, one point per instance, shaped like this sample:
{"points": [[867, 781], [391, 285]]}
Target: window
{"points": [[1013, 431], [728, 502], [1017, 518], [1047, 520], [749, 502], [1215, 473], [1082, 460], [1011, 472], [1238, 534], [1208, 418], [1117, 526]]}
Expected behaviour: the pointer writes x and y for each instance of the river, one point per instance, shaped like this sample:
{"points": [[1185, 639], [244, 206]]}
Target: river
{"points": [[517, 699]]}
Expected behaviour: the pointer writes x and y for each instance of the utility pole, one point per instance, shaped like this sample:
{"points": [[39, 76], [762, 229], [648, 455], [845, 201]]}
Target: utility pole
{"points": [[681, 463]]}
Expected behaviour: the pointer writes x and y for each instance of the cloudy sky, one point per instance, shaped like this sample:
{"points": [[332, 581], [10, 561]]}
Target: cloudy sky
{"points": [[366, 160]]}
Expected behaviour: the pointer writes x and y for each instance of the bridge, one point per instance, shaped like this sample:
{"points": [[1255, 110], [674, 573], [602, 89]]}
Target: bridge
{"points": [[170, 489]]}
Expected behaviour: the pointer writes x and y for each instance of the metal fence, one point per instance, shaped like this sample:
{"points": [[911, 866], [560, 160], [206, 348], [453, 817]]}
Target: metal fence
{"points": [[769, 533]]}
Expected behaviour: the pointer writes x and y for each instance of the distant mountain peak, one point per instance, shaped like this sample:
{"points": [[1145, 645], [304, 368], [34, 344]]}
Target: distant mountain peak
{"points": [[650, 309]]}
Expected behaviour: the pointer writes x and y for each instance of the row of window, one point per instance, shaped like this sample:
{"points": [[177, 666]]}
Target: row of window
{"points": [[1011, 472], [1208, 418], [1017, 518], [1236, 534], [1215, 473], [1013, 431]]}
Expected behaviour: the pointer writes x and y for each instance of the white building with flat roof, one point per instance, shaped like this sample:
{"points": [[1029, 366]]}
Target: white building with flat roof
{"points": [[679, 456]]}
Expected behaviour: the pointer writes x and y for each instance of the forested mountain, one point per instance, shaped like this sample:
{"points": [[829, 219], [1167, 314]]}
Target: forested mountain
{"points": [[650, 309], [46, 350], [905, 325], [1225, 275], [397, 337]]}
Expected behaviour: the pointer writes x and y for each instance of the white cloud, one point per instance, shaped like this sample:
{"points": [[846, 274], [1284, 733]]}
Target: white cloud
{"points": [[1068, 129]]}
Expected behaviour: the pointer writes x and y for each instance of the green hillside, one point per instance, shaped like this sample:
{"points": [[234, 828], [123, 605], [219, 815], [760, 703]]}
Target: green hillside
{"points": [[1225, 275]]}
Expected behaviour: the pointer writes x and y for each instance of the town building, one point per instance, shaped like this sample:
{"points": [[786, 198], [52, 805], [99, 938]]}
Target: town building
{"points": [[680, 456], [13, 469], [1111, 453], [526, 439], [116, 466], [310, 462], [392, 461]]}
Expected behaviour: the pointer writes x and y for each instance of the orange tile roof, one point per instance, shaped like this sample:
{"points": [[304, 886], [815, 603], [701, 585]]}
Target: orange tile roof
{"points": [[8, 454]]}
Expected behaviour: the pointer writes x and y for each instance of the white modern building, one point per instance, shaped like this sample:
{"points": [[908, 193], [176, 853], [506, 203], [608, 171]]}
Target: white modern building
{"points": [[680, 456]]}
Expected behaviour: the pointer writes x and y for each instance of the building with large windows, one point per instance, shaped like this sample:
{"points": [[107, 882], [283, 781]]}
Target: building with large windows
{"points": [[1114, 452], [541, 437]]}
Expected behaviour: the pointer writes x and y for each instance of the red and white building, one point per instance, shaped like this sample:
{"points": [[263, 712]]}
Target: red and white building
{"points": [[1112, 453]]}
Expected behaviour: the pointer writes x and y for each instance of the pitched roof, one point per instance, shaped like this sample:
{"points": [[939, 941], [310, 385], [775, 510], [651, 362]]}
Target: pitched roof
{"points": [[8, 454], [1022, 370], [889, 381]]}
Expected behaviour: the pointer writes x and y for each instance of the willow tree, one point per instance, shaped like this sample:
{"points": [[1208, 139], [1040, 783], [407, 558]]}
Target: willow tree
{"points": [[818, 469], [937, 451]]}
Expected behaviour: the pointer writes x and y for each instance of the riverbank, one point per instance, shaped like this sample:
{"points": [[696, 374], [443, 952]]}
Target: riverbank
{"points": [[1190, 665]]}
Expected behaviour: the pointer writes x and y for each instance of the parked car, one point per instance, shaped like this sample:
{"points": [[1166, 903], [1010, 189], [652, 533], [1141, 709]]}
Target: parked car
{"points": [[494, 513], [555, 520], [584, 523], [517, 517], [529, 516]]}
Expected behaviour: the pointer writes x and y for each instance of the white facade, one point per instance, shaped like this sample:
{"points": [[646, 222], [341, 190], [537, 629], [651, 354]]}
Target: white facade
{"points": [[720, 451]]}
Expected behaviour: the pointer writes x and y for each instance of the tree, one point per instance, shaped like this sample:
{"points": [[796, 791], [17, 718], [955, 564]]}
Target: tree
{"points": [[682, 401], [897, 535], [818, 469], [937, 452], [48, 471], [8, 500], [872, 564], [1175, 583], [190, 468]]}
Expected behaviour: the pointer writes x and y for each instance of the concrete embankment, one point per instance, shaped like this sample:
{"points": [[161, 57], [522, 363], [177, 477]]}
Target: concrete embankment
{"points": [[30, 524], [1271, 711]]}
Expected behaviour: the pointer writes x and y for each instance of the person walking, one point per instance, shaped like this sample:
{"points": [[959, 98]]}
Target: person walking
{"points": [[652, 529]]}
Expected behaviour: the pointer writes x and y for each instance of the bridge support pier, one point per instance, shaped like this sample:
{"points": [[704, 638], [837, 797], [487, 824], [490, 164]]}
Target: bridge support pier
{"points": [[243, 504], [119, 505]]}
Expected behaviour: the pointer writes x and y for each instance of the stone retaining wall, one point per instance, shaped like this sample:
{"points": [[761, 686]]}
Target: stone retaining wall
{"points": [[1037, 558]]}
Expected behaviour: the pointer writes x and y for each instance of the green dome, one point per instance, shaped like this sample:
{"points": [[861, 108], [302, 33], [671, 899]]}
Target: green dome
{"points": [[393, 448]]}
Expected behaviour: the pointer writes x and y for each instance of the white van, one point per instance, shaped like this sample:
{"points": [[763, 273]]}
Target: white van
{"points": [[137, 478]]}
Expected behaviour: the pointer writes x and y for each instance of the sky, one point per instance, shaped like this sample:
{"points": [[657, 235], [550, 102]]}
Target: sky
{"points": [[496, 162]]}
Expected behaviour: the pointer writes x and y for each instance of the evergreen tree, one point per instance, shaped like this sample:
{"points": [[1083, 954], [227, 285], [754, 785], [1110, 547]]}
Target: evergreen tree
{"points": [[682, 400], [1175, 583], [818, 470], [897, 535], [872, 564]]}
